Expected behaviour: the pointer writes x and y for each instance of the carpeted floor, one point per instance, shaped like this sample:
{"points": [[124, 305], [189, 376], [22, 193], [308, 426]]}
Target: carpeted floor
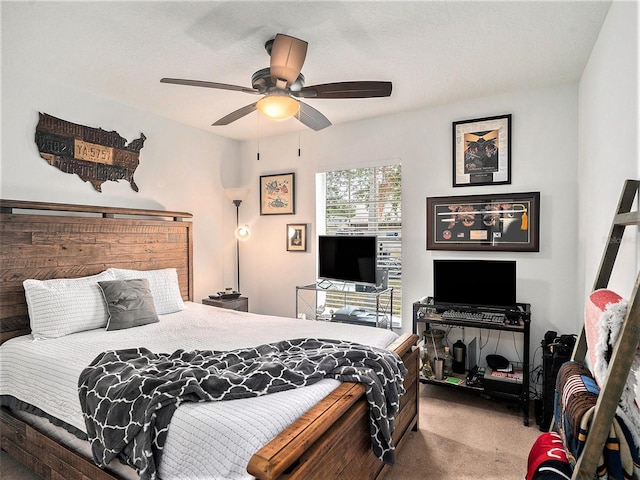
{"points": [[467, 437], [462, 436]]}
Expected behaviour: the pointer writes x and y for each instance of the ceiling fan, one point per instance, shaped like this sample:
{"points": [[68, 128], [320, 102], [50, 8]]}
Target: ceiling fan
{"points": [[282, 84]]}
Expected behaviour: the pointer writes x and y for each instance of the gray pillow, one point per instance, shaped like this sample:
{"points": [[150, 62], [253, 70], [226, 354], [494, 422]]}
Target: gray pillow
{"points": [[129, 302]]}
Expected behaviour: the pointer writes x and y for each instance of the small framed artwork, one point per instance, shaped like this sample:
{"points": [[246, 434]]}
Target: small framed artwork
{"points": [[297, 237], [508, 222], [482, 151], [277, 194]]}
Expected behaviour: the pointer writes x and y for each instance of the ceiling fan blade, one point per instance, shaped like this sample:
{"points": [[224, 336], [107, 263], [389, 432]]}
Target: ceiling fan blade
{"points": [[233, 116], [364, 89], [200, 83], [312, 118], [287, 56]]}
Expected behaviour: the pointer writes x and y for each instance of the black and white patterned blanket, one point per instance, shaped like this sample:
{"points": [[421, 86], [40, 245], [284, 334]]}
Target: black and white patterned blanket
{"points": [[129, 396]]}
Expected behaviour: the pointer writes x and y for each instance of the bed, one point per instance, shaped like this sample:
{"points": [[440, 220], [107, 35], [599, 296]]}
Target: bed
{"points": [[329, 439]]}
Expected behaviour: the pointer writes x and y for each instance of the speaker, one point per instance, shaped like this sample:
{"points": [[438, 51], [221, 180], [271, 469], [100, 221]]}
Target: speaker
{"points": [[555, 351]]}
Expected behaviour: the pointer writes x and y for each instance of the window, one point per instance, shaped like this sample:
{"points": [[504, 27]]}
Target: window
{"points": [[365, 201]]}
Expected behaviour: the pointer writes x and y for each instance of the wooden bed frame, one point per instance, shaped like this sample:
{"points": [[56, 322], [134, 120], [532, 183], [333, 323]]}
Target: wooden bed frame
{"points": [[47, 240]]}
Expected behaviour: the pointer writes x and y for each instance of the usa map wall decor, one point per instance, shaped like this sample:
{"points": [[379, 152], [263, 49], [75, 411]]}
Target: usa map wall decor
{"points": [[94, 154]]}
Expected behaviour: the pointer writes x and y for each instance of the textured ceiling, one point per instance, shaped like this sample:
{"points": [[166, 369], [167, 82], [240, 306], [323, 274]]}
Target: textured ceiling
{"points": [[433, 52]]}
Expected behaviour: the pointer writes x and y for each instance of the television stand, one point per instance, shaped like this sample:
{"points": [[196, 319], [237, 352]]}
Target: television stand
{"points": [[345, 303], [496, 385]]}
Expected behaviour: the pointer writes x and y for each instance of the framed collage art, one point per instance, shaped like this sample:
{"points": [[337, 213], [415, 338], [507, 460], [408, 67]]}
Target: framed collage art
{"points": [[277, 194], [505, 222]]}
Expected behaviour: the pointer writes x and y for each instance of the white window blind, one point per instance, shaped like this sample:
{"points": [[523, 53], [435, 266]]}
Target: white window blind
{"points": [[366, 201]]}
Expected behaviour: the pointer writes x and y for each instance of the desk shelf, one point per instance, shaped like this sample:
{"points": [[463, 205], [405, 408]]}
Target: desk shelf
{"points": [[426, 317]]}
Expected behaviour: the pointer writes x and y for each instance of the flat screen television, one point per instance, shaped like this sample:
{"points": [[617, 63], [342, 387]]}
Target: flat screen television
{"points": [[348, 258], [474, 283]]}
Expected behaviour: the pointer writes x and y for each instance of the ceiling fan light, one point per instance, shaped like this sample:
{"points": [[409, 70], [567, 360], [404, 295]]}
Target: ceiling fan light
{"points": [[278, 107]]}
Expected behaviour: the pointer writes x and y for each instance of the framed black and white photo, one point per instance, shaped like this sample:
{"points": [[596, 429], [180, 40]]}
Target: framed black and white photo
{"points": [[482, 151], [506, 222], [297, 237]]}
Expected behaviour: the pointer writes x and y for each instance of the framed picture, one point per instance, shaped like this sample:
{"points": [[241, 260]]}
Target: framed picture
{"points": [[508, 222], [482, 151], [297, 237], [277, 194]]}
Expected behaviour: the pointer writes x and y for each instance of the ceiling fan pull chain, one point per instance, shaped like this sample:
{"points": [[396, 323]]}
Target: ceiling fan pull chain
{"points": [[258, 135], [299, 133]]}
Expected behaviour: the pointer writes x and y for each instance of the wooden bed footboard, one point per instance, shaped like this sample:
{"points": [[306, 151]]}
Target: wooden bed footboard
{"points": [[332, 440], [44, 456]]}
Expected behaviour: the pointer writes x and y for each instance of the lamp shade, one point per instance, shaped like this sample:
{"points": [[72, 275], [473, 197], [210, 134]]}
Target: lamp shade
{"points": [[236, 193], [243, 233], [278, 107]]}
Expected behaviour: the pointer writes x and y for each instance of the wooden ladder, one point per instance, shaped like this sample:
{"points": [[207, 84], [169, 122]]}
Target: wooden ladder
{"points": [[625, 349]]}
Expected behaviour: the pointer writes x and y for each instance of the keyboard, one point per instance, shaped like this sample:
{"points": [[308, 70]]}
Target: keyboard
{"points": [[485, 317]]}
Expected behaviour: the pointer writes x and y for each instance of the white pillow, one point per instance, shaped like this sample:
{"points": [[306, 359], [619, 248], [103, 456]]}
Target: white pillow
{"points": [[61, 306], [163, 284]]}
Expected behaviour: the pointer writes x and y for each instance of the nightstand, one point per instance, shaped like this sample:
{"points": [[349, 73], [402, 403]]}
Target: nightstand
{"points": [[241, 303]]}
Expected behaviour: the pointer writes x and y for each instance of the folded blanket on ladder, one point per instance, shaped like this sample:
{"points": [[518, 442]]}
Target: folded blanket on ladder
{"points": [[576, 397], [129, 396]]}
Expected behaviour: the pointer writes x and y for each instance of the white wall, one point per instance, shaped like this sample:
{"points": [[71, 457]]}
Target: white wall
{"points": [[181, 168], [574, 144], [544, 158], [608, 145]]}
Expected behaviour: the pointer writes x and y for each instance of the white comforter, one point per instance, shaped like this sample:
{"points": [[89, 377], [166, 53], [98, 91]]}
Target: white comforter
{"points": [[212, 440]]}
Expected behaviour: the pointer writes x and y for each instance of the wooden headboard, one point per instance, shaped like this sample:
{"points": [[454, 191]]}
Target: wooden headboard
{"points": [[53, 240]]}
